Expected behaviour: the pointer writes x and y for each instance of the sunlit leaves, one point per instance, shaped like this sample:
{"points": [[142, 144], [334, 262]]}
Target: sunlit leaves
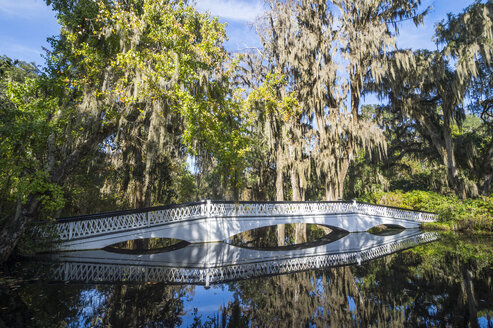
{"points": [[266, 95], [25, 125]]}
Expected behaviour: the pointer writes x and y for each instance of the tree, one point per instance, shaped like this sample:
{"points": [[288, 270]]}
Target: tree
{"points": [[308, 43], [29, 120], [467, 39], [275, 112], [429, 90], [418, 84], [218, 126], [111, 63]]}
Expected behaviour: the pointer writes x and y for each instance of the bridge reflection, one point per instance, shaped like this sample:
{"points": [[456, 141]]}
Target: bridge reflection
{"points": [[213, 263]]}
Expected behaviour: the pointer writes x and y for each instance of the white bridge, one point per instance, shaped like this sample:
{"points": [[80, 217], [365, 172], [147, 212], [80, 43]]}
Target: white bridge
{"points": [[211, 263], [211, 221]]}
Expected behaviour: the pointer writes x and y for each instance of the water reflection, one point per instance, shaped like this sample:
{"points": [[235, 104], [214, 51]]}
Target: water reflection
{"points": [[211, 263], [150, 246], [445, 283], [287, 237]]}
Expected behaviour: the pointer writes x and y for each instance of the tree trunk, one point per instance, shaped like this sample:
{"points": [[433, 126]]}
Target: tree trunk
{"points": [[147, 190], [450, 158], [198, 185], [281, 234], [299, 233], [299, 228], [14, 227], [333, 187], [150, 153], [139, 195], [281, 237], [296, 197], [330, 191], [443, 144], [487, 178], [146, 193], [235, 188], [342, 177], [279, 176], [468, 299], [471, 300], [355, 99]]}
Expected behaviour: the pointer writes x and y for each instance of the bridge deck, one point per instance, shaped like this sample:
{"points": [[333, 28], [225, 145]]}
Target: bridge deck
{"points": [[208, 221]]}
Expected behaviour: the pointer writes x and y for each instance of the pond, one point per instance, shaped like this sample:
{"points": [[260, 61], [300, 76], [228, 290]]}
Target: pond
{"points": [[288, 275]]}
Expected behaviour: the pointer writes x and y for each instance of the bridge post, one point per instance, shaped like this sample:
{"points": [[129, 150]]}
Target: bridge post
{"points": [[207, 279], [71, 229], [208, 208], [355, 206], [65, 273]]}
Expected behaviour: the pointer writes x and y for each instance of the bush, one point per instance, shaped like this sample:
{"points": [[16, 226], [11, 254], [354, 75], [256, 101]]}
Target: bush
{"points": [[454, 213]]}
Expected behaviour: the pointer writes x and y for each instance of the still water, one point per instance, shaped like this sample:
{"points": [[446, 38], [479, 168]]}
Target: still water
{"points": [[282, 276]]}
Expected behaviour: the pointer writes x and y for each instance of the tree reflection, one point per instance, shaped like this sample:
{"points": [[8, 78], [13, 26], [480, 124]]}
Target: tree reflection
{"points": [[287, 236], [144, 306], [433, 285], [46, 305], [446, 283]]}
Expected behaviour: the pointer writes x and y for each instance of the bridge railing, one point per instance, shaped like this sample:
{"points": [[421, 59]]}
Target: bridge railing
{"points": [[104, 223], [278, 208], [313, 208], [372, 209]]}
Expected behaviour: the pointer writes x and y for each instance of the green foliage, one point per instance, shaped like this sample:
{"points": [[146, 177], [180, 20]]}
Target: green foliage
{"points": [[364, 177], [218, 125], [29, 117], [474, 151], [267, 97], [468, 215], [185, 187], [153, 72], [474, 250]]}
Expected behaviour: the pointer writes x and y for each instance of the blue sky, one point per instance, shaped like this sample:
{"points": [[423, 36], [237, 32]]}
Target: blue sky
{"points": [[25, 25]]}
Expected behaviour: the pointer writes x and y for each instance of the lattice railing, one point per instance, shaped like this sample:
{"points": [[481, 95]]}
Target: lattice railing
{"points": [[279, 209], [314, 208], [89, 272], [74, 228]]}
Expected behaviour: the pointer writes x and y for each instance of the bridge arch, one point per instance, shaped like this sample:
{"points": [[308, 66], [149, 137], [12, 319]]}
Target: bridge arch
{"points": [[216, 221], [222, 228]]}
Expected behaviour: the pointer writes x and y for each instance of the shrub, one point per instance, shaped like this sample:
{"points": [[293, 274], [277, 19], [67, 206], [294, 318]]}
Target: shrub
{"points": [[454, 213]]}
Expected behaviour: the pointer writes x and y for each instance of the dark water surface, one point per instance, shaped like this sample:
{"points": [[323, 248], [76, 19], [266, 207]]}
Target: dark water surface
{"points": [[294, 276]]}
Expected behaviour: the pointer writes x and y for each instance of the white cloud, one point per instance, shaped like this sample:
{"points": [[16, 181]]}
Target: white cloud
{"points": [[241, 35], [21, 48], [21, 51], [25, 9], [239, 10]]}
